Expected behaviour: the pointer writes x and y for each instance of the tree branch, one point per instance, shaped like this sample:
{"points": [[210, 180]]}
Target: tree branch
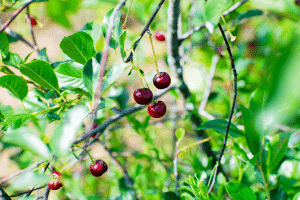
{"points": [[105, 54], [199, 28], [129, 58], [6, 24], [116, 117], [231, 112]]}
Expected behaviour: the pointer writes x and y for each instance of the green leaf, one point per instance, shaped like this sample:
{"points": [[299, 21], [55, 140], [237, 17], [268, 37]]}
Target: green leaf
{"points": [[4, 45], [113, 74], [114, 43], [28, 141], [170, 196], [213, 10], [15, 121], [12, 59], [43, 55], [91, 74], [250, 13], [219, 125], [93, 29], [79, 47], [122, 44], [62, 139], [238, 191], [69, 75], [251, 133], [277, 149], [3, 194], [257, 100], [40, 72], [179, 133], [53, 116], [107, 104], [6, 111], [15, 84], [29, 179]]}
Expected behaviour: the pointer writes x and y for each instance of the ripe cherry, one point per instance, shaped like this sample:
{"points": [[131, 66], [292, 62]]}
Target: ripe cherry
{"points": [[54, 183], [162, 80], [99, 168], [159, 36], [33, 22], [94, 126], [157, 109], [143, 96]]}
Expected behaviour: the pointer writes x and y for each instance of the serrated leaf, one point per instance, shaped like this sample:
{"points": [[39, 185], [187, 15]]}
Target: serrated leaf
{"points": [[40, 72], [107, 104], [15, 84], [113, 74], [219, 125], [62, 139], [79, 47], [43, 55], [28, 141], [179, 133], [12, 59], [93, 29], [91, 74], [238, 191], [70, 75], [251, 133], [276, 149], [4, 44]]}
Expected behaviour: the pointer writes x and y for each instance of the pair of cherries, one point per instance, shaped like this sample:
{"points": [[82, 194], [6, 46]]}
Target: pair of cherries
{"points": [[96, 169], [144, 96]]}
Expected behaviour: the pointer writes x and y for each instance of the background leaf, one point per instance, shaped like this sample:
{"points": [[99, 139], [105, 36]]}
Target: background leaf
{"points": [[28, 141], [93, 29], [15, 84], [79, 47], [238, 191], [219, 125], [91, 74], [179, 133], [4, 44]]}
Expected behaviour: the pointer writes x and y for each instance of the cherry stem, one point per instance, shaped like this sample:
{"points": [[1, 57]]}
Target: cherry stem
{"points": [[125, 21], [150, 36], [87, 153], [139, 71]]}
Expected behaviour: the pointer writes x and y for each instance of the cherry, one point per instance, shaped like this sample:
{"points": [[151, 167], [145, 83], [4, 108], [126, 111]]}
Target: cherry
{"points": [[99, 168], [32, 20], [157, 109], [54, 183], [162, 80], [94, 126], [143, 96], [159, 36]]}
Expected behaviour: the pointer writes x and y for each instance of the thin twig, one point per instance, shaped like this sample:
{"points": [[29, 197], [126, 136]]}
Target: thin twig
{"points": [[21, 172], [105, 54], [21, 193], [199, 28], [129, 58], [116, 117], [210, 77], [31, 29], [232, 108], [6, 24]]}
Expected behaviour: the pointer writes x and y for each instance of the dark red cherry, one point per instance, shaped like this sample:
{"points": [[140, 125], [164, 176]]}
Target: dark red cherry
{"points": [[159, 36], [94, 126], [54, 184], [162, 80], [143, 96], [56, 175], [99, 168], [157, 109]]}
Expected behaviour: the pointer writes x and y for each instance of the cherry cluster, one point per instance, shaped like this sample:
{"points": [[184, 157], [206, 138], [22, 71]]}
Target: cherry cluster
{"points": [[96, 169], [144, 96]]}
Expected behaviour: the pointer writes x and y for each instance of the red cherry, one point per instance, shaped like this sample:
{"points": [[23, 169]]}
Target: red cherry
{"points": [[157, 109], [54, 185], [162, 80], [94, 126], [159, 36], [143, 96], [99, 168]]}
